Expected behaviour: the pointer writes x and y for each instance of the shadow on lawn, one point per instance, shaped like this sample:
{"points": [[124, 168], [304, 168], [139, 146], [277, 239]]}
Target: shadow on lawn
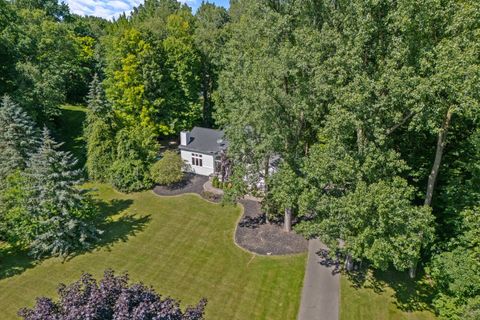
{"points": [[115, 229], [14, 261], [410, 294]]}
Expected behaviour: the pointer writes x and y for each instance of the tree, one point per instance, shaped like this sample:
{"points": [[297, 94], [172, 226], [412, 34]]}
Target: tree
{"points": [[18, 137], [99, 133], [168, 170], [110, 298], [125, 83], [455, 74], [154, 81], [61, 214], [17, 227], [456, 271], [47, 56], [135, 152], [52, 8], [264, 99], [8, 57], [375, 222], [285, 190], [209, 37], [182, 62]]}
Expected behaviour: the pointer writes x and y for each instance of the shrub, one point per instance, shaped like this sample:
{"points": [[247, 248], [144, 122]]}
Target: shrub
{"points": [[168, 170], [136, 151], [129, 175], [215, 182], [110, 298]]}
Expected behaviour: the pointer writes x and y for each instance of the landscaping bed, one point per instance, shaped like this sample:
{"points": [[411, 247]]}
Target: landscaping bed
{"points": [[255, 235]]}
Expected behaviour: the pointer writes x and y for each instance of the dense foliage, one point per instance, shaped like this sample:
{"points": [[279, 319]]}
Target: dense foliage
{"points": [[373, 108], [168, 170], [136, 149], [47, 57], [18, 137], [99, 133], [41, 205], [113, 297]]}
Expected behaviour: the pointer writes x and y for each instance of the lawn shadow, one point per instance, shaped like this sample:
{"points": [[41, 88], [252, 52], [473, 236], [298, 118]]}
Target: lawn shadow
{"points": [[14, 261], [409, 294], [115, 224], [115, 229]]}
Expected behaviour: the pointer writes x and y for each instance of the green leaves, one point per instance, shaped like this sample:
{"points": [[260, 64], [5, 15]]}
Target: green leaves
{"points": [[375, 222], [154, 80], [136, 149], [168, 170], [456, 271]]}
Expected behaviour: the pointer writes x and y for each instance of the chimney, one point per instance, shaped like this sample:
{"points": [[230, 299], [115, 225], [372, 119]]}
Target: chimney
{"points": [[184, 138]]}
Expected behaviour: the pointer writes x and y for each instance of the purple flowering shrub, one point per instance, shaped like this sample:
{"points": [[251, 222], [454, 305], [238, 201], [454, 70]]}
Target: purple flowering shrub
{"points": [[110, 298]]}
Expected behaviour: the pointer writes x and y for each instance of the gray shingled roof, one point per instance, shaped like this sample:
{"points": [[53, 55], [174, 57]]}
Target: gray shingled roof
{"points": [[205, 140]]}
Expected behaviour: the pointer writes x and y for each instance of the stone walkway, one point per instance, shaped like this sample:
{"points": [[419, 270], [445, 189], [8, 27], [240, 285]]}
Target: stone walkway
{"points": [[321, 287]]}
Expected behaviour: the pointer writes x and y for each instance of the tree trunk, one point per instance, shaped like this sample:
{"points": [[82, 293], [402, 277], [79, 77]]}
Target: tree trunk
{"points": [[266, 174], [360, 140], [288, 220], [441, 141], [206, 97], [265, 187], [412, 271], [349, 263]]}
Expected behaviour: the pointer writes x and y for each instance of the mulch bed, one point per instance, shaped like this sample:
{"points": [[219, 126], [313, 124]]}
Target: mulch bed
{"points": [[191, 184], [252, 233], [257, 236]]}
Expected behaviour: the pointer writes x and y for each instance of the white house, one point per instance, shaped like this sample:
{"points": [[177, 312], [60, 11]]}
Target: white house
{"points": [[200, 149]]}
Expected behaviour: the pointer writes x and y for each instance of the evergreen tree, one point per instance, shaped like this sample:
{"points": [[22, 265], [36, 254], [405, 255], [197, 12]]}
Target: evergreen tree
{"points": [[18, 137], [136, 150], [62, 214], [99, 133]]}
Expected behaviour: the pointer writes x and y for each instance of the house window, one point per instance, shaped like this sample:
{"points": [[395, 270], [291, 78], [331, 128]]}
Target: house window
{"points": [[197, 160]]}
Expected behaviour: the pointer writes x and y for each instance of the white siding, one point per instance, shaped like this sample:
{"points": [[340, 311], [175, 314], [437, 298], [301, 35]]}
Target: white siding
{"points": [[207, 167]]}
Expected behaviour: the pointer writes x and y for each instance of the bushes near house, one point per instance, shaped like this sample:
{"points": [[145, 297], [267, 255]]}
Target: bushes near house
{"points": [[168, 170], [216, 183]]}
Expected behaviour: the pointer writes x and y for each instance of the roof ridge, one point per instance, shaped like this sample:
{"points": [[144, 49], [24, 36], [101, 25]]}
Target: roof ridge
{"points": [[204, 128]]}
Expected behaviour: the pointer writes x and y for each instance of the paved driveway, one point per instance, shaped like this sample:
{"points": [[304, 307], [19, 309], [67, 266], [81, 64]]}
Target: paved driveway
{"points": [[321, 288]]}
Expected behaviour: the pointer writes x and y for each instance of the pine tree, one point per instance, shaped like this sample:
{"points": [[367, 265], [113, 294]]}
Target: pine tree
{"points": [[18, 137], [97, 102], [99, 133], [63, 214]]}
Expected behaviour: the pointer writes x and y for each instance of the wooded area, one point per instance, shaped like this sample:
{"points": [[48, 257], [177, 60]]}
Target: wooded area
{"points": [[371, 107]]}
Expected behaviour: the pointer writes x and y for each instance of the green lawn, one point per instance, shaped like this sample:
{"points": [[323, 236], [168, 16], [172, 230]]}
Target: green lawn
{"points": [[182, 246], [71, 131], [390, 296]]}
